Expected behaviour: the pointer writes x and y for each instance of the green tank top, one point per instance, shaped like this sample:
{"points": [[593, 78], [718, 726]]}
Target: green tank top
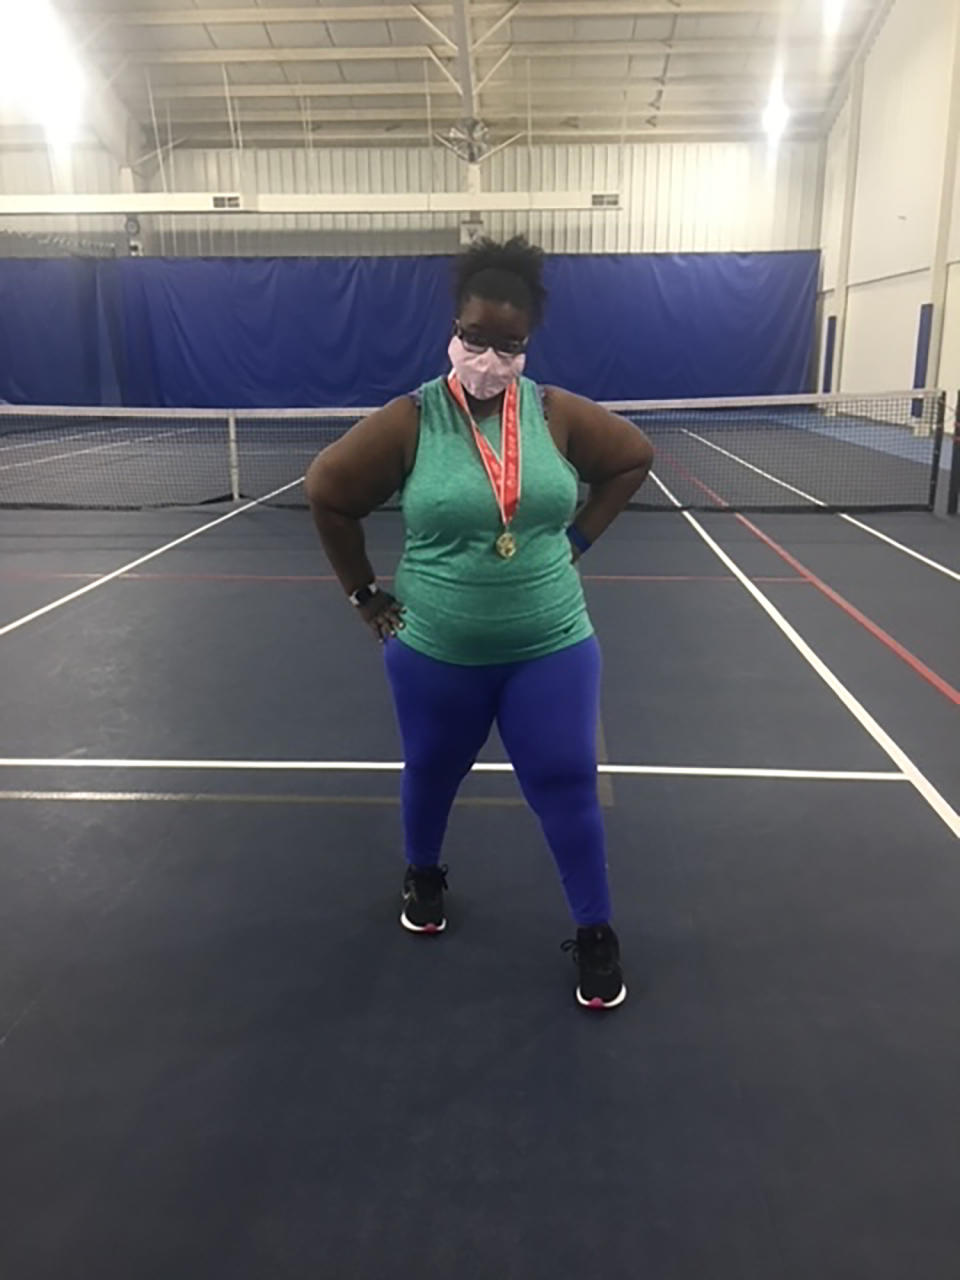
{"points": [[466, 605]]}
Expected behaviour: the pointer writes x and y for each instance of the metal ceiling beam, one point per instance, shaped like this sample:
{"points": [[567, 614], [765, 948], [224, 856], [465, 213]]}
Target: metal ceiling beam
{"points": [[544, 88], [508, 15], [465, 68], [450, 79], [404, 53], [643, 111], [263, 135], [206, 17], [494, 69], [428, 22]]}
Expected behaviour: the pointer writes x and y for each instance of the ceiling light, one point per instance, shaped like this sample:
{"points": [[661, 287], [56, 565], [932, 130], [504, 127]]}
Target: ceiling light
{"points": [[833, 16], [776, 116], [40, 76]]}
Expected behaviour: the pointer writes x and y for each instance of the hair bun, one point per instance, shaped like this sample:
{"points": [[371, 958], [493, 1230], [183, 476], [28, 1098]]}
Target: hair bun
{"points": [[517, 258]]}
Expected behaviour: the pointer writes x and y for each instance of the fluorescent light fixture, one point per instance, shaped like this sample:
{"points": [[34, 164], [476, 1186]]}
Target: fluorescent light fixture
{"points": [[833, 16], [40, 75], [776, 116]]}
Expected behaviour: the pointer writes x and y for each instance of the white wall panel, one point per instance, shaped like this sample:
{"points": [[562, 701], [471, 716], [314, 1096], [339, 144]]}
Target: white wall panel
{"points": [[679, 197], [882, 326], [834, 185], [905, 99], [25, 171], [385, 170], [85, 170]]}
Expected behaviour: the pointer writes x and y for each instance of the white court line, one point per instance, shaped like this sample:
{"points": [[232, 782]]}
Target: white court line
{"points": [[40, 444], [97, 448], [396, 766], [944, 811], [808, 497], [134, 564]]}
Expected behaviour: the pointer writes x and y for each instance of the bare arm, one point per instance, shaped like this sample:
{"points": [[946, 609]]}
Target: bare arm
{"points": [[351, 478], [609, 453]]}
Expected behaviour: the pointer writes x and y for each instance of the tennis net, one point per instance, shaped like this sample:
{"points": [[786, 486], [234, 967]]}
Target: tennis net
{"points": [[838, 452]]}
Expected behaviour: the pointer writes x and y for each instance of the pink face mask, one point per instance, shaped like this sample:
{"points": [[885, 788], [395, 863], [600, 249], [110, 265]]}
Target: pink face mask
{"points": [[484, 374]]}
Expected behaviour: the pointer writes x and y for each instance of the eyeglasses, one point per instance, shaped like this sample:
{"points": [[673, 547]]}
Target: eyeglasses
{"points": [[477, 343]]}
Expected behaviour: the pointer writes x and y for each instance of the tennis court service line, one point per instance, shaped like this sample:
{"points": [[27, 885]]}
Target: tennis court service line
{"points": [[905, 765], [396, 766], [96, 448], [134, 564], [818, 502], [49, 442]]}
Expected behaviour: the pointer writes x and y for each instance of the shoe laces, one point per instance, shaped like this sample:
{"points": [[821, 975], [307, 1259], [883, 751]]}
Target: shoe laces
{"points": [[593, 948], [429, 881]]}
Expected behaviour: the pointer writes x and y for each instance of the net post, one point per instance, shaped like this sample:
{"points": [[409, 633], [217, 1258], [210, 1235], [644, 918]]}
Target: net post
{"points": [[233, 456], [938, 442], [946, 478]]}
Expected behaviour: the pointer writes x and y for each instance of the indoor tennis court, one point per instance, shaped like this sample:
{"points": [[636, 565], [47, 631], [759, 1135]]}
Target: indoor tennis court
{"points": [[220, 1055]]}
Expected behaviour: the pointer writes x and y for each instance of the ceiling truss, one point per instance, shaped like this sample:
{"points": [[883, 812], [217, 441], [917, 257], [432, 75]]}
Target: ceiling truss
{"points": [[471, 75]]}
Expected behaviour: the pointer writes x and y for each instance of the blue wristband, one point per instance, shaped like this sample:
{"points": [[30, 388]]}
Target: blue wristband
{"points": [[579, 540]]}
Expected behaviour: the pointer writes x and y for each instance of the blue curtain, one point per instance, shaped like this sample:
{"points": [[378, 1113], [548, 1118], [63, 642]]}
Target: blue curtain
{"points": [[50, 336], [330, 331], [657, 327]]}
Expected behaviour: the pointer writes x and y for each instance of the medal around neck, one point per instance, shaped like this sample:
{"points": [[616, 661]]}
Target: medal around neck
{"points": [[504, 472]]}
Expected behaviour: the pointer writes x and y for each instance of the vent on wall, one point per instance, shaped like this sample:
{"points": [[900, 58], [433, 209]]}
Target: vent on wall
{"points": [[605, 200], [226, 202]]}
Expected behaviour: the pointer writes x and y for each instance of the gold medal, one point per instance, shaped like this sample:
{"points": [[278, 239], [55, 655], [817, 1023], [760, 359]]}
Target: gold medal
{"points": [[506, 546]]}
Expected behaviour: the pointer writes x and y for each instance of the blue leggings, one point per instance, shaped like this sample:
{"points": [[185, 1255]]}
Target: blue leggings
{"points": [[546, 711]]}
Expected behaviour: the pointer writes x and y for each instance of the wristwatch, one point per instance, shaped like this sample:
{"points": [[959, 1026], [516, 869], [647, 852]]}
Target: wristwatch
{"points": [[364, 595]]}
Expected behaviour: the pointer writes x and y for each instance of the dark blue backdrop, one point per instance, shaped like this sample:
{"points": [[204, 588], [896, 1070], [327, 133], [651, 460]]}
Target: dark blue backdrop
{"points": [[329, 331]]}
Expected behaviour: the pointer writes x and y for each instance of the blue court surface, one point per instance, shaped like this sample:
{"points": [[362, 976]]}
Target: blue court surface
{"points": [[221, 1056]]}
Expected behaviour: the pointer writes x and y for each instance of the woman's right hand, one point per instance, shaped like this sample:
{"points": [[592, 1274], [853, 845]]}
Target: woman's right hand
{"points": [[383, 615]]}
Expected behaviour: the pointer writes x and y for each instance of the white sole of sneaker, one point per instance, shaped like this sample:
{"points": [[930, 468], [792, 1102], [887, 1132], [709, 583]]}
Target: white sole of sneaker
{"points": [[419, 928], [597, 1003]]}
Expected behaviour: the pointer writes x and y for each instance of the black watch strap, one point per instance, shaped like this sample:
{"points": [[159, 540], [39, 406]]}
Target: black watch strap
{"points": [[364, 595]]}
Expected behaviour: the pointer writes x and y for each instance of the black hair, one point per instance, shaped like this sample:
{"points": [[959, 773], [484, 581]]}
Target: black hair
{"points": [[511, 272]]}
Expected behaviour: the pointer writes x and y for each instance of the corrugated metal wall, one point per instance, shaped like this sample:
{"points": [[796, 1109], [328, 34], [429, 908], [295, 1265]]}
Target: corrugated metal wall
{"points": [[87, 171], [369, 170], [680, 197]]}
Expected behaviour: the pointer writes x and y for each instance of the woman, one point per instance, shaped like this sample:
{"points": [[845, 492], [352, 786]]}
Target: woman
{"points": [[489, 622]]}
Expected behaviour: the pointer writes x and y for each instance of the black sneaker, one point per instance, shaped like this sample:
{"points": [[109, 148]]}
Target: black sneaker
{"points": [[423, 900], [596, 953]]}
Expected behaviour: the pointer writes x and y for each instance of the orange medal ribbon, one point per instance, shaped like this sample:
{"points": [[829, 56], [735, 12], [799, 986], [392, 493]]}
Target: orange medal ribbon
{"points": [[504, 472]]}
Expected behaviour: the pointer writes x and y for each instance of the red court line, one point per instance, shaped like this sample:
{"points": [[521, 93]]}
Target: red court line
{"points": [[916, 665], [922, 670], [41, 576]]}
